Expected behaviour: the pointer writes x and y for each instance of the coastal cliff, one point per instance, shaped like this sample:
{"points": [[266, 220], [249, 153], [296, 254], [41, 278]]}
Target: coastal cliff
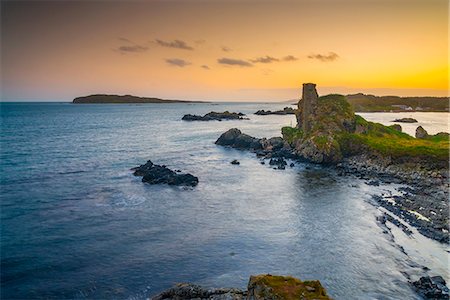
{"points": [[328, 131], [103, 98]]}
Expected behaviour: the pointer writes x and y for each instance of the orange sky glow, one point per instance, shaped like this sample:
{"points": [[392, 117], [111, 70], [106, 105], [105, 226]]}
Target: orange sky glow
{"points": [[222, 50]]}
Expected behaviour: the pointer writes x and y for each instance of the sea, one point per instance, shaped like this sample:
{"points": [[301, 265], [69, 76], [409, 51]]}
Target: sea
{"points": [[76, 223]]}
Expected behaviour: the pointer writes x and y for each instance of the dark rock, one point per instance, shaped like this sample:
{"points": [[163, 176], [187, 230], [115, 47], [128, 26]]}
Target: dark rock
{"points": [[291, 165], [156, 174], [279, 162], [284, 111], [215, 116], [432, 287], [405, 120], [421, 133], [236, 139], [235, 162], [187, 291]]}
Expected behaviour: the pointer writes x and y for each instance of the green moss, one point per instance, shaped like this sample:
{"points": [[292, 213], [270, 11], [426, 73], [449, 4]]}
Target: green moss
{"points": [[291, 134], [289, 288]]}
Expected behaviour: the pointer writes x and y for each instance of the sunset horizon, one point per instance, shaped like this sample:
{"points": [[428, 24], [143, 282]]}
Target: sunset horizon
{"points": [[222, 51]]}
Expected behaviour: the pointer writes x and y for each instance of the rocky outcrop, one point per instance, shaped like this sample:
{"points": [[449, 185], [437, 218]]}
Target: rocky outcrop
{"points": [[236, 139], [273, 147], [215, 116], [396, 127], [405, 120], [284, 111], [432, 287], [421, 133], [260, 287], [156, 174], [187, 291]]}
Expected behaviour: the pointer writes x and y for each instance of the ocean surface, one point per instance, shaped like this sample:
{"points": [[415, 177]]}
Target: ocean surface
{"points": [[75, 222]]}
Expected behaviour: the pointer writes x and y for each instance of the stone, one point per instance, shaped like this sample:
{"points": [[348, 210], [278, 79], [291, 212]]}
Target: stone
{"points": [[421, 133], [156, 174], [396, 127], [308, 103], [432, 287], [235, 162], [236, 139]]}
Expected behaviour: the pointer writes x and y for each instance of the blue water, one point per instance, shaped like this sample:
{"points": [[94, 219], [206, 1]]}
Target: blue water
{"points": [[75, 222]]}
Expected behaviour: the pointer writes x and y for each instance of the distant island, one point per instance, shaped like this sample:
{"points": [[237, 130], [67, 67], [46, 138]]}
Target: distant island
{"points": [[370, 103], [103, 98]]}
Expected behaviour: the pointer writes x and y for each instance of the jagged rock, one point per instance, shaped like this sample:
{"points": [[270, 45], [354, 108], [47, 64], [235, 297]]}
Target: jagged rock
{"points": [[156, 174], [405, 120], [421, 133], [284, 111], [215, 116], [432, 287], [187, 291], [235, 162], [236, 139]]}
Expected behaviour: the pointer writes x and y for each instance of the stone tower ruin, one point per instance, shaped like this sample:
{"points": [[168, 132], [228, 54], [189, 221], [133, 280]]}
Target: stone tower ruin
{"points": [[306, 106]]}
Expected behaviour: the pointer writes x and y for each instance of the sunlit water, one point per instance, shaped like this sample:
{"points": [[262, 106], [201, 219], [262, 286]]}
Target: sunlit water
{"points": [[75, 223]]}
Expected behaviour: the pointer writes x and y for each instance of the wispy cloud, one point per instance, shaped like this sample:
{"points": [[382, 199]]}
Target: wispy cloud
{"points": [[290, 58], [234, 62], [130, 47], [324, 58], [199, 42], [178, 62], [226, 49], [178, 44], [205, 67], [265, 60]]}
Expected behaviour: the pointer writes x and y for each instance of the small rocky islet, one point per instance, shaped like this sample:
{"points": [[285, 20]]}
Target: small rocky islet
{"points": [[215, 116], [405, 120], [160, 174], [284, 111]]}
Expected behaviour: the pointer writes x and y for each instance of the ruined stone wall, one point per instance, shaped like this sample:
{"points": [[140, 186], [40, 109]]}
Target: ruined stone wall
{"points": [[306, 106]]}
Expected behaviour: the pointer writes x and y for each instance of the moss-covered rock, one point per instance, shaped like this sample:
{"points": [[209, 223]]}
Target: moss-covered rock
{"points": [[270, 287]]}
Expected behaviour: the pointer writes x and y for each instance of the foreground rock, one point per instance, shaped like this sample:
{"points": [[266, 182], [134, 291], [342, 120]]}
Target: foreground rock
{"points": [[215, 116], [156, 174], [260, 287], [284, 111], [405, 120], [421, 133], [432, 287]]}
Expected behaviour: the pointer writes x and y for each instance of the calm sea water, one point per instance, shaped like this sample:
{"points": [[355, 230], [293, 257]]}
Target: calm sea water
{"points": [[75, 223]]}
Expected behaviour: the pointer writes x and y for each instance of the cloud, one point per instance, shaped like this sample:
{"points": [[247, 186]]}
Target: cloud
{"points": [[265, 60], [205, 67], [178, 62], [178, 44], [290, 58], [226, 49], [131, 49], [234, 62], [324, 58]]}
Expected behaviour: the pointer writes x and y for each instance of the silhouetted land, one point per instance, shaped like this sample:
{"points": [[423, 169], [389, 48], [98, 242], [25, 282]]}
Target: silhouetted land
{"points": [[102, 98]]}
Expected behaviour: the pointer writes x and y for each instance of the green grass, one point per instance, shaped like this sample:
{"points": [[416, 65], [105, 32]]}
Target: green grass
{"points": [[291, 134]]}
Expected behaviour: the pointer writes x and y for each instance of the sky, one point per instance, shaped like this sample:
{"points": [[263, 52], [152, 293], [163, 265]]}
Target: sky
{"points": [[222, 50]]}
